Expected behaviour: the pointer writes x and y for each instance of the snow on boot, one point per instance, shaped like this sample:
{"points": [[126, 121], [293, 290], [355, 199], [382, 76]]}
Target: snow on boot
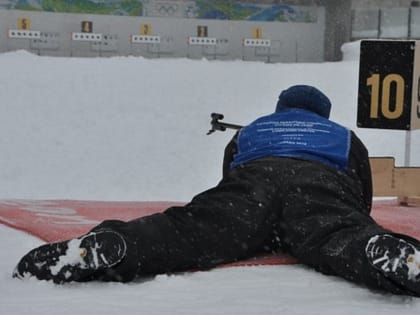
{"points": [[397, 259], [73, 260]]}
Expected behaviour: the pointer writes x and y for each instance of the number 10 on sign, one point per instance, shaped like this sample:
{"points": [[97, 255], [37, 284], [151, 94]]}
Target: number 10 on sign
{"points": [[381, 89], [388, 96]]}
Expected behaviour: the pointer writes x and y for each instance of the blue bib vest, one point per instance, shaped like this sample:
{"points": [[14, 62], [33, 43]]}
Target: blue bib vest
{"points": [[294, 133]]}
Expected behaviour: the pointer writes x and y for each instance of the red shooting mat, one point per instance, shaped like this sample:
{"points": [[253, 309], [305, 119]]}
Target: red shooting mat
{"points": [[55, 220]]}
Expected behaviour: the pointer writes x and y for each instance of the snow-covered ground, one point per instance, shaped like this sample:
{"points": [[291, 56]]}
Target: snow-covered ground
{"points": [[135, 129]]}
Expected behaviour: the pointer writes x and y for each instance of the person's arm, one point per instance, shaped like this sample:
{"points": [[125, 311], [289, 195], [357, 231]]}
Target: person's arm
{"points": [[230, 150], [359, 167]]}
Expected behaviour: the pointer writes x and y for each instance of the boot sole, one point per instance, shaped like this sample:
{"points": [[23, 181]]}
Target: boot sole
{"points": [[73, 260], [397, 259]]}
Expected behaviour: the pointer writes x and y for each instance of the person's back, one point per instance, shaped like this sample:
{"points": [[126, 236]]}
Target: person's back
{"points": [[300, 128], [295, 133]]}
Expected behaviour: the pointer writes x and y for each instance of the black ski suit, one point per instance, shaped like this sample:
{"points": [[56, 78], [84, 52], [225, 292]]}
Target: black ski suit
{"points": [[314, 212]]}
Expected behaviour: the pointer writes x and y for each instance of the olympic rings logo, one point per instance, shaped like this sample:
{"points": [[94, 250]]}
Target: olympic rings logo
{"points": [[166, 8]]}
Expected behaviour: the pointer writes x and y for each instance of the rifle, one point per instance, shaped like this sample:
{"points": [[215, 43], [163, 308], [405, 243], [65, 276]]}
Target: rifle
{"points": [[219, 125]]}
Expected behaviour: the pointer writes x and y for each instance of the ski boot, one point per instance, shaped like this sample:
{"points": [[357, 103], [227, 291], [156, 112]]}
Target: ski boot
{"points": [[77, 259], [398, 259]]}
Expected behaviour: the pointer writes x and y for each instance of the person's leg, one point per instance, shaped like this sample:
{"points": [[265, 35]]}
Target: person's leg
{"points": [[324, 226], [220, 225], [224, 224]]}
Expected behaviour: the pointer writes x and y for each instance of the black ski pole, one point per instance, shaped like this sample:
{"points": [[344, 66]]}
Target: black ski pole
{"points": [[219, 125]]}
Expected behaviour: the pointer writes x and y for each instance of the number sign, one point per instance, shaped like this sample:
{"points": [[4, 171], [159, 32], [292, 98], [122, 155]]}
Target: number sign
{"points": [[388, 95], [202, 31], [87, 27], [24, 24], [146, 29], [257, 33]]}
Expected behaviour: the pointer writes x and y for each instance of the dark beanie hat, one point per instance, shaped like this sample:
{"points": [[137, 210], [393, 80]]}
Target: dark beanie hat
{"points": [[305, 97]]}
